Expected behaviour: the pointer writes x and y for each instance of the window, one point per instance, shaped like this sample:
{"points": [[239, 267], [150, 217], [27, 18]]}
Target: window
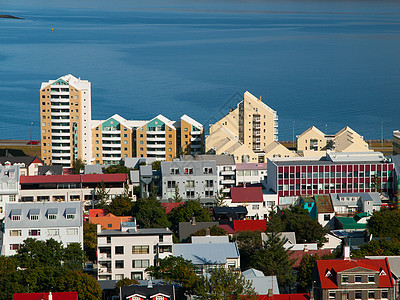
{"points": [[209, 194], [140, 263], [207, 171], [171, 184], [159, 298], [188, 171], [345, 278], [70, 216], [15, 233], [34, 232], [371, 278], [119, 264], [255, 207], [53, 232], [371, 294], [72, 231], [209, 183], [16, 217], [384, 294], [109, 240], [11, 198], [119, 249], [189, 194], [357, 294], [327, 217], [34, 217], [174, 171], [15, 247], [190, 183], [119, 276], [137, 276], [164, 249], [140, 249], [357, 278], [332, 294]]}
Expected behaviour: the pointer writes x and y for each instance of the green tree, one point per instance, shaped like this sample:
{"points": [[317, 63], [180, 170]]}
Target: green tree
{"points": [[214, 231], [120, 206], [176, 269], [274, 223], [116, 169], [304, 274], [102, 195], [249, 243], [225, 284], [186, 211], [90, 240], [177, 197], [380, 247], [274, 259], [219, 198], [86, 285], [156, 165], [74, 256], [150, 214], [385, 223], [125, 282], [78, 166]]}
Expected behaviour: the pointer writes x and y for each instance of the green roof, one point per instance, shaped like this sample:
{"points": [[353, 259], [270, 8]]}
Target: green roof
{"points": [[350, 223]]}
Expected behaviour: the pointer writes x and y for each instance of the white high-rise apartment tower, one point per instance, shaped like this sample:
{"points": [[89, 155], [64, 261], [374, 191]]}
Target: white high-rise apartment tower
{"points": [[65, 121]]}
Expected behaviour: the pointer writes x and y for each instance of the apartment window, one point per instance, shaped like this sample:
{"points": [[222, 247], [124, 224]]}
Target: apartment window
{"points": [[332, 294], [34, 232], [207, 171], [190, 183], [70, 216], [209, 194], [15, 232], [327, 217], [125, 135], [109, 240], [357, 279], [140, 263], [34, 217], [171, 184], [72, 231], [174, 171], [170, 149], [371, 294], [137, 276], [169, 142], [209, 183], [384, 294], [189, 194], [16, 217], [11, 198], [357, 294], [15, 247], [371, 278], [255, 207], [188, 171], [119, 264], [119, 249], [53, 232], [345, 278], [140, 249], [186, 129]]}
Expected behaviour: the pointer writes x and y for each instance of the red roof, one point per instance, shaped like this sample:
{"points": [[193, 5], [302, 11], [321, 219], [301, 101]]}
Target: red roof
{"points": [[87, 178], [228, 229], [285, 297], [298, 255], [251, 225], [339, 265], [98, 212], [45, 296], [246, 194], [169, 206]]}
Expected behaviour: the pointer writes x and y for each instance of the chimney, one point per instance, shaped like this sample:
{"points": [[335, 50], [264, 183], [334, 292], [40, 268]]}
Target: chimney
{"points": [[305, 248], [207, 231], [346, 252], [270, 294], [150, 284], [193, 221]]}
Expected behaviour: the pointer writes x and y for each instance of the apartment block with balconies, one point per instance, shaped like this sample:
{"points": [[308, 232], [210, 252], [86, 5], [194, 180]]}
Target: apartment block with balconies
{"points": [[65, 121], [191, 136]]}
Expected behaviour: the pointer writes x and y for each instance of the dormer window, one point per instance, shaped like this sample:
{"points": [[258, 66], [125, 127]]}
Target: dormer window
{"points": [[70, 216], [52, 217], [15, 214], [188, 171], [16, 217], [208, 171], [70, 213], [52, 213], [34, 214], [34, 217]]}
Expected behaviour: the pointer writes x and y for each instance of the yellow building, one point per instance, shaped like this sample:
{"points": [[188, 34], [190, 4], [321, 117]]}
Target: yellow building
{"points": [[244, 131], [191, 136], [65, 121]]}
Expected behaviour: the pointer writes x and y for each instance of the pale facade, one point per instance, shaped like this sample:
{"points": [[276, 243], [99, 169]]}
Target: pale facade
{"points": [[252, 124], [9, 186], [311, 142], [191, 136], [275, 149], [65, 121]]}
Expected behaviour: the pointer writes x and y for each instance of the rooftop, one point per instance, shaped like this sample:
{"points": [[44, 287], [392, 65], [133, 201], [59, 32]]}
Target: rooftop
{"points": [[247, 194]]}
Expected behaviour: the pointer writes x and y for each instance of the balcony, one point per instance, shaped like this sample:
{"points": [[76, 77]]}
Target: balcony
{"points": [[227, 181], [195, 146], [61, 148], [59, 113], [156, 132], [61, 161], [275, 117], [155, 139], [104, 256], [103, 270], [65, 106], [61, 155], [155, 152], [111, 131], [195, 139], [111, 138], [197, 133], [54, 134], [160, 145], [230, 173]]}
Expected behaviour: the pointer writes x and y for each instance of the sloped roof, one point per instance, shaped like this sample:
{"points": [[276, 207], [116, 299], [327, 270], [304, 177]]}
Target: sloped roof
{"points": [[324, 204], [251, 225], [251, 166], [169, 206], [97, 212], [340, 265], [227, 228], [246, 194], [220, 160], [285, 297], [298, 255], [191, 121], [313, 128]]}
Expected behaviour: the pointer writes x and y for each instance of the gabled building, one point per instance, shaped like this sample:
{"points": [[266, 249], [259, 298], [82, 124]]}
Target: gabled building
{"points": [[28, 165], [347, 204], [109, 221], [60, 221], [320, 208], [353, 279], [191, 136], [9, 186], [148, 292], [251, 173]]}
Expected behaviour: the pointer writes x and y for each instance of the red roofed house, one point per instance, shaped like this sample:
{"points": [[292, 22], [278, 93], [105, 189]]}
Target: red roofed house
{"points": [[46, 296], [251, 225], [353, 279], [170, 206], [108, 221], [70, 187], [285, 297], [257, 203]]}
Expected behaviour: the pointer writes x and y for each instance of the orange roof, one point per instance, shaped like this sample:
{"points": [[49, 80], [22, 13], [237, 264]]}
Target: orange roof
{"points": [[340, 265], [110, 221], [169, 206], [98, 212]]}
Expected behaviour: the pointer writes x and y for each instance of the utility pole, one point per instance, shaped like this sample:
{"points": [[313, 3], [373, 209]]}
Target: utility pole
{"points": [[293, 133], [382, 134], [30, 130]]}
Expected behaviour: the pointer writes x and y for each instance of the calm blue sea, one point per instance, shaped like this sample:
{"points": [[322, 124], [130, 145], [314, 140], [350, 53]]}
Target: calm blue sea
{"points": [[323, 63]]}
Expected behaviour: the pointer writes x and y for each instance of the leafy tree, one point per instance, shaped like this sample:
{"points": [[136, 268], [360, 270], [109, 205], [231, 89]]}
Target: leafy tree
{"points": [[274, 223], [273, 259], [86, 285], [74, 256], [120, 206], [78, 166], [136, 191], [153, 191], [225, 284], [102, 194], [116, 169], [176, 269], [177, 197], [125, 282], [186, 211], [304, 274], [219, 197], [381, 247], [150, 214], [385, 223], [156, 165], [214, 231], [90, 240], [249, 243]]}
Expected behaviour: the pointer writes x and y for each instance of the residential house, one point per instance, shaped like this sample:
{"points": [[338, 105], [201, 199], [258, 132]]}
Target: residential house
{"points": [[357, 222], [225, 214], [275, 149], [62, 221], [28, 165], [9, 186], [46, 296], [109, 221], [190, 180], [251, 173], [348, 204], [320, 208], [207, 252], [186, 229], [353, 279], [263, 285], [49, 170], [148, 292], [149, 181], [127, 252]]}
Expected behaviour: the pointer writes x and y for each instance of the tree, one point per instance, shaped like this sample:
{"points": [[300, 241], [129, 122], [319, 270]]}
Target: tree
{"points": [[304, 274], [125, 282], [74, 256], [385, 223], [86, 285], [120, 206], [150, 214], [177, 197], [116, 169], [219, 197], [90, 240], [274, 223], [225, 284], [214, 231], [156, 165], [380, 247], [273, 259], [249, 242], [102, 195], [78, 166], [176, 269], [186, 211]]}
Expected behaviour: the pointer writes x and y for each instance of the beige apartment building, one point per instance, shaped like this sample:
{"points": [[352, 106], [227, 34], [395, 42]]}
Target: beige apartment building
{"points": [[313, 142], [65, 121], [246, 132]]}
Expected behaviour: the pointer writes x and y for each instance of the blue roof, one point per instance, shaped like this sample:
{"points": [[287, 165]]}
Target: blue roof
{"points": [[202, 254]]}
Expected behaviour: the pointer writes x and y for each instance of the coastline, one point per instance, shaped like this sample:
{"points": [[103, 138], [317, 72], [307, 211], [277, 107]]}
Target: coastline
{"points": [[10, 17]]}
